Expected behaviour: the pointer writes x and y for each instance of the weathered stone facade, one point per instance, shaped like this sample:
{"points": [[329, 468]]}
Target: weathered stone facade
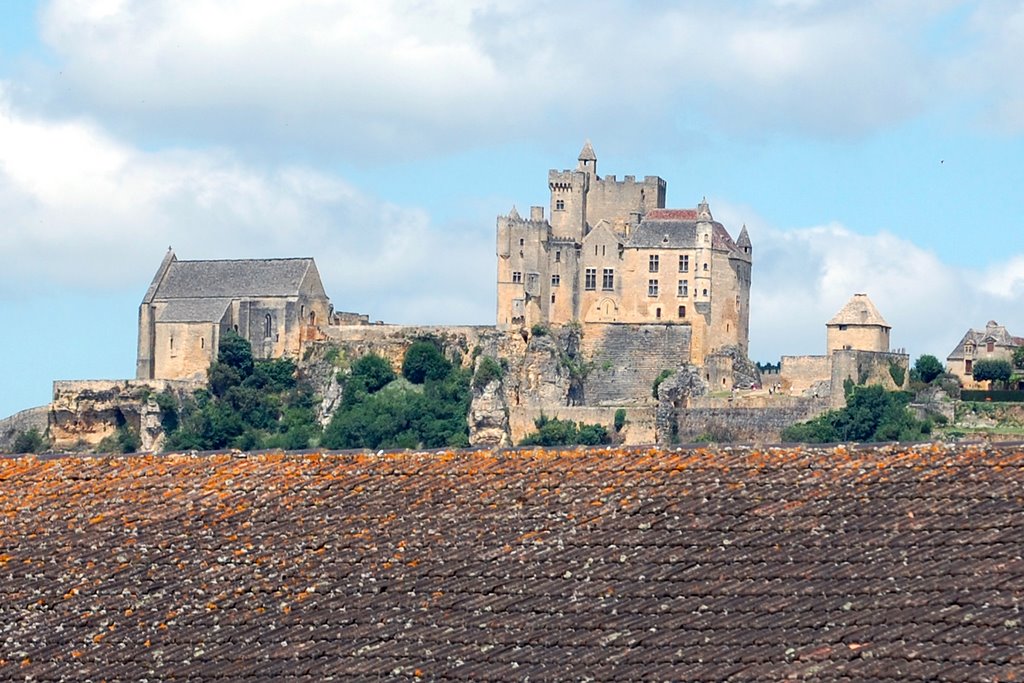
{"points": [[612, 254]]}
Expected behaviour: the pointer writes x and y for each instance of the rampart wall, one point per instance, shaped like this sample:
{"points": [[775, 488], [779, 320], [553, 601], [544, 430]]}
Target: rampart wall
{"points": [[626, 359]]}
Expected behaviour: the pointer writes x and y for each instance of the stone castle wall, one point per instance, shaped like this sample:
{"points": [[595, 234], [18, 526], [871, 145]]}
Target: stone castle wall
{"points": [[760, 419], [639, 429], [798, 374], [626, 359]]}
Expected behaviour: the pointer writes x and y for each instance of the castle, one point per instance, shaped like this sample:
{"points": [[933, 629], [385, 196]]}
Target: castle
{"points": [[611, 254]]}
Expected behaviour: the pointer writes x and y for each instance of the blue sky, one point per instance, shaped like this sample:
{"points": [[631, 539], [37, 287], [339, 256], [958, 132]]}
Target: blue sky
{"points": [[869, 146]]}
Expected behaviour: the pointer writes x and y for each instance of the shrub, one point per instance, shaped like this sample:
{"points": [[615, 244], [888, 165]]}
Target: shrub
{"points": [[555, 432], [539, 330], [487, 371], [662, 376], [898, 374], [620, 419], [29, 441]]}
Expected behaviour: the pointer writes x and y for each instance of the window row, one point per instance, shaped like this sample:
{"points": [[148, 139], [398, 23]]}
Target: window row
{"points": [[654, 263], [607, 279], [682, 288]]}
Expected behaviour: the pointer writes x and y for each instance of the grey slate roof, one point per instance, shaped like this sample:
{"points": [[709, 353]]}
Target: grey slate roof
{"points": [[993, 331], [676, 229], [193, 310], [231, 279], [859, 310], [830, 564]]}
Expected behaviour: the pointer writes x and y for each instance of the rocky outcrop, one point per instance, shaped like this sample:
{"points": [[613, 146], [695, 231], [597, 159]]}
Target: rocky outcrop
{"points": [[674, 394], [19, 423], [83, 413], [488, 416]]}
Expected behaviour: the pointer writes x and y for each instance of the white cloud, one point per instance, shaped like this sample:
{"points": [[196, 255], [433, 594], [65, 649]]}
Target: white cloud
{"points": [[83, 210], [802, 277], [392, 78]]}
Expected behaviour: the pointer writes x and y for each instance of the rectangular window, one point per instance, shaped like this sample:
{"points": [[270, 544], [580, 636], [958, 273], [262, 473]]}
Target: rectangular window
{"points": [[968, 367], [990, 347], [652, 263], [682, 311], [684, 264], [652, 288], [552, 298], [558, 255], [556, 280], [608, 279], [591, 279], [559, 205], [684, 288], [517, 277]]}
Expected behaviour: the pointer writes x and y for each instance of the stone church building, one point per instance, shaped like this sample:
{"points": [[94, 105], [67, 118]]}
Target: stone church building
{"points": [[276, 304], [612, 254]]}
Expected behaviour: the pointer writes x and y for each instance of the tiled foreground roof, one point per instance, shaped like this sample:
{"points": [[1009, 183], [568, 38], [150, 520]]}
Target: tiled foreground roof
{"points": [[891, 564]]}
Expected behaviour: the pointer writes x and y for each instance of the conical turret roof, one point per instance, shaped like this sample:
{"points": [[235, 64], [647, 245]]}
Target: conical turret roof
{"points": [[859, 311], [587, 153]]}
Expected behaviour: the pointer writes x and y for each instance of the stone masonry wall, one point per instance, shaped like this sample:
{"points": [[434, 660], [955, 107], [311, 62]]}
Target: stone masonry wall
{"points": [[639, 429], [722, 421], [626, 359]]}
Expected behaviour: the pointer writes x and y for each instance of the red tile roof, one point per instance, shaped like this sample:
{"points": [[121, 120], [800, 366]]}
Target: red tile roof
{"points": [[837, 564], [671, 215]]}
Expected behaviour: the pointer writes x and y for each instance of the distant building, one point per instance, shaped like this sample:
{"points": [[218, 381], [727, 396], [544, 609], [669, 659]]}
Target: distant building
{"points": [[276, 304], [612, 254], [857, 349], [992, 343], [858, 325]]}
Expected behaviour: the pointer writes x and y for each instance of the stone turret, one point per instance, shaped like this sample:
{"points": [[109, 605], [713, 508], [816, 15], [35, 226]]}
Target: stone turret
{"points": [[588, 159]]}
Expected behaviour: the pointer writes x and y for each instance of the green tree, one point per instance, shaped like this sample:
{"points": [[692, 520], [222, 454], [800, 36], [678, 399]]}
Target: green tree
{"points": [[871, 414], [423, 361], [375, 371], [1018, 358], [992, 370], [927, 368], [235, 352]]}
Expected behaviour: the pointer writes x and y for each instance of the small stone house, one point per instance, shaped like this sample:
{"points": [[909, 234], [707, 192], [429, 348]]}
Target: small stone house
{"points": [[858, 325], [276, 304], [992, 343]]}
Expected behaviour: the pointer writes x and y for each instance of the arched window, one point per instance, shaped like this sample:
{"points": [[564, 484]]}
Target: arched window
{"points": [[268, 326], [312, 317]]}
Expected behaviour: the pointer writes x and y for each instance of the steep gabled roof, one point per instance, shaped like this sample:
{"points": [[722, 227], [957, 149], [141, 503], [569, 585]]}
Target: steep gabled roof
{"points": [[891, 563], [858, 311], [232, 278], [994, 332], [587, 153], [676, 229]]}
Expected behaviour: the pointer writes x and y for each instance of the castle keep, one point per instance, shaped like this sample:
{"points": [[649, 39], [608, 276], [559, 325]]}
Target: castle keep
{"points": [[612, 254]]}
